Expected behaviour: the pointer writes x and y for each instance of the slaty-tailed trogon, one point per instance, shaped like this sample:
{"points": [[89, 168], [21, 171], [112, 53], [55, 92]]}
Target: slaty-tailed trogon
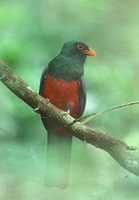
{"points": [[63, 83]]}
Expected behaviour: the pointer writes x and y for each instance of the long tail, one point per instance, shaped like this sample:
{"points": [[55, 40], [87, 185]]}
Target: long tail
{"points": [[58, 158]]}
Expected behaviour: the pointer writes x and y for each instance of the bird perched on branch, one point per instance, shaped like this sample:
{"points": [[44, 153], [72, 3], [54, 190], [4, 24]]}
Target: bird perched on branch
{"points": [[63, 83]]}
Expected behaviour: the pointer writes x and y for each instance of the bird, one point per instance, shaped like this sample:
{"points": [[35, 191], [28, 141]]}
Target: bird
{"points": [[63, 83]]}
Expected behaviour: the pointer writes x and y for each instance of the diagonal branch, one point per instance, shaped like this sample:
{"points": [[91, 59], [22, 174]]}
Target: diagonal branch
{"points": [[89, 117], [116, 148]]}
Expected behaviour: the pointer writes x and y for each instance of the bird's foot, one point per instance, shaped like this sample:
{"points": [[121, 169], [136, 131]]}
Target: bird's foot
{"points": [[68, 107], [47, 100]]}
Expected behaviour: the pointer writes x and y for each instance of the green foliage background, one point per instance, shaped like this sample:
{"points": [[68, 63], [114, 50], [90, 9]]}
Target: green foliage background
{"points": [[31, 33]]}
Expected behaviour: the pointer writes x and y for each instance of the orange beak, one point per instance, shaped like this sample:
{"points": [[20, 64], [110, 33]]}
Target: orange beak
{"points": [[90, 52]]}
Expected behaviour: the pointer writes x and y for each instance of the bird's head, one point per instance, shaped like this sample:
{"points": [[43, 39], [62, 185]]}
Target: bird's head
{"points": [[77, 49]]}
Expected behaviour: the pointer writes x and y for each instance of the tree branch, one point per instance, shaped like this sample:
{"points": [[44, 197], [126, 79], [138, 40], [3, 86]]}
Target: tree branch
{"points": [[89, 117], [116, 148]]}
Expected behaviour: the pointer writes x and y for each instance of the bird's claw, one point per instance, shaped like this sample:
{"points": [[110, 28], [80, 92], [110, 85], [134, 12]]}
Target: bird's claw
{"points": [[47, 100]]}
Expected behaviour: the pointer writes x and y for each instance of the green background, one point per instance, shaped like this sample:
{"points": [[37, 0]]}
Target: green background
{"points": [[31, 34]]}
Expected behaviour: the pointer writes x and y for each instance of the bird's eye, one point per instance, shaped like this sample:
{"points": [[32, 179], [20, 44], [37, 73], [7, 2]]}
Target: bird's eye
{"points": [[80, 46]]}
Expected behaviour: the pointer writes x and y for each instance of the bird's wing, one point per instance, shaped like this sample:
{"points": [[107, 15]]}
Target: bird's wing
{"points": [[43, 78], [82, 95]]}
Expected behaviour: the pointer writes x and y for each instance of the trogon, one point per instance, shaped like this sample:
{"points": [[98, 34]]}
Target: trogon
{"points": [[63, 83]]}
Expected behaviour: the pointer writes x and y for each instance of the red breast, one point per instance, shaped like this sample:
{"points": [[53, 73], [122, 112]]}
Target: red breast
{"points": [[60, 93]]}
